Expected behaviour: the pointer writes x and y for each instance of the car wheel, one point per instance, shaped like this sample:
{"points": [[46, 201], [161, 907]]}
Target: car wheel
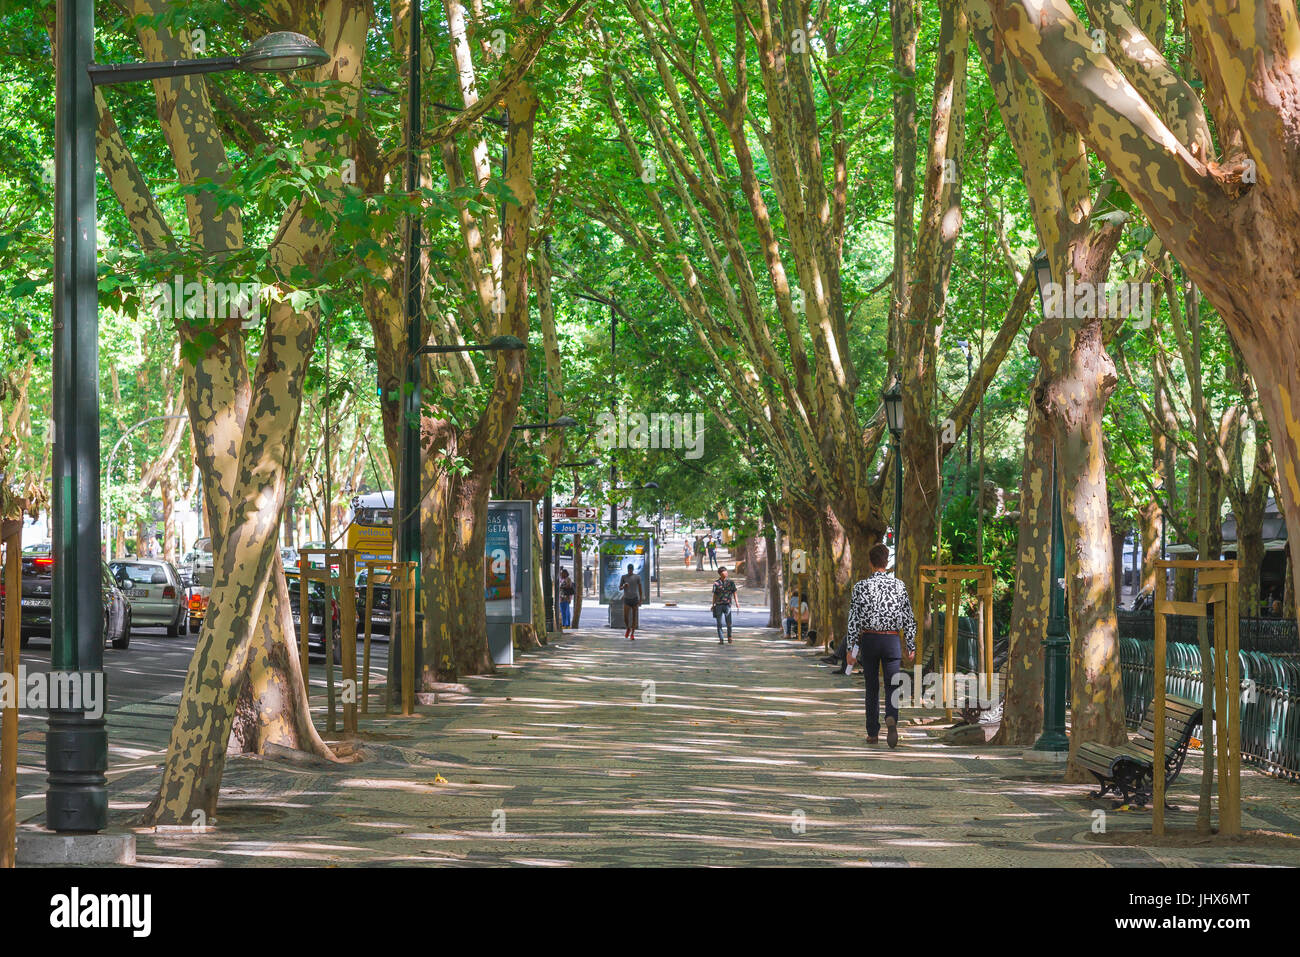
{"points": [[194, 626], [123, 641], [174, 629]]}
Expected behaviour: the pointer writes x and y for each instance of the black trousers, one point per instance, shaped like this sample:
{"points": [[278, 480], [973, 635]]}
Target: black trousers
{"points": [[877, 651]]}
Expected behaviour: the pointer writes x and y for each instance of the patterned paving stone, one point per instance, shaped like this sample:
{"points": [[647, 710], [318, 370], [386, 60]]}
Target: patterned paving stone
{"points": [[752, 754]]}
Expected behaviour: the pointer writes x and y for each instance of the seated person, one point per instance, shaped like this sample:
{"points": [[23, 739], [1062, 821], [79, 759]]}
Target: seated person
{"points": [[796, 613]]}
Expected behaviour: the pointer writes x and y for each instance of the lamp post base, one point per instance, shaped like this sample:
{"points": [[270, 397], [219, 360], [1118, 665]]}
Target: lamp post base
{"points": [[47, 847], [1033, 756]]}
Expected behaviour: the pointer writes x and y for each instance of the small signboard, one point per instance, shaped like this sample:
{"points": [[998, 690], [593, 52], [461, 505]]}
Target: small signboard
{"points": [[575, 528], [584, 513]]}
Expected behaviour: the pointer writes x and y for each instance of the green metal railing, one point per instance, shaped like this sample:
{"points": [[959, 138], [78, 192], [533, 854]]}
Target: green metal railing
{"points": [[1275, 636], [1269, 697]]}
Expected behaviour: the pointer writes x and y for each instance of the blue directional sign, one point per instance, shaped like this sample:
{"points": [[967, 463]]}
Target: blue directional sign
{"points": [[575, 528]]}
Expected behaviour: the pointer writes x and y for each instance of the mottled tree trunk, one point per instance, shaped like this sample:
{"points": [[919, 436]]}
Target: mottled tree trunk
{"points": [[773, 563], [273, 707], [1250, 555], [196, 753], [838, 569], [1080, 376], [1022, 714], [1149, 526]]}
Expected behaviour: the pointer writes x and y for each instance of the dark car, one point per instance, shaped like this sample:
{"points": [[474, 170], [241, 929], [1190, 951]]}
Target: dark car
{"points": [[316, 616], [38, 585], [381, 611]]}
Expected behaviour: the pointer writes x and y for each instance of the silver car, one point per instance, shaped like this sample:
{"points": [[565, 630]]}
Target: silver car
{"points": [[155, 591]]}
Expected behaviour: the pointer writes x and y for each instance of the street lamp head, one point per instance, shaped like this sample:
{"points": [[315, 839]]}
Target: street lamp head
{"points": [[580, 465], [282, 52], [650, 485], [964, 345], [565, 422], [509, 343], [893, 400]]}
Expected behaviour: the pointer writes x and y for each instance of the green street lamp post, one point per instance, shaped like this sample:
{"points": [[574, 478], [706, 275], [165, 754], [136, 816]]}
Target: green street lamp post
{"points": [[76, 746], [893, 401], [1056, 646]]}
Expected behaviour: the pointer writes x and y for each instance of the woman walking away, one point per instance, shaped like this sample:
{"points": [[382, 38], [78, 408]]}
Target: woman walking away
{"points": [[713, 553], [686, 549], [566, 598], [724, 593], [879, 613], [630, 586]]}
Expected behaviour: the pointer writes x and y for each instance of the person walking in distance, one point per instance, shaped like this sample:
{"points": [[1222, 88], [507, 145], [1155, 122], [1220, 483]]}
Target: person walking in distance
{"points": [[566, 598], [686, 549], [630, 586], [699, 554], [713, 553], [879, 614], [724, 593]]}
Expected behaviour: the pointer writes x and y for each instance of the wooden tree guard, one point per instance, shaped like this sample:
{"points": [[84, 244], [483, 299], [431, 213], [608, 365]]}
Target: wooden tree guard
{"points": [[340, 571], [401, 588], [13, 570], [1216, 584], [952, 579]]}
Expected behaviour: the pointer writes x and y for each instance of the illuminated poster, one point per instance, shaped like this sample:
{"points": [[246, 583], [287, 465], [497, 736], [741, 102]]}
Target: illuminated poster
{"points": [[615, 555], [501, 562]]}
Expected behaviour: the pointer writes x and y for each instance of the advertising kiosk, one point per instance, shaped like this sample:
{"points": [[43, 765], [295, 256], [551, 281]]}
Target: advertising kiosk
{"points": [[616, 553], [508, 566]]}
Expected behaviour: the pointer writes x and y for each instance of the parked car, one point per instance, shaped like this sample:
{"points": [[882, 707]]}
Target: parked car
{"points": [[317, 561], [200, 594], [38, 584], [288, 558], [199, 554], [316, 616], [155, 590], [381, 612]]}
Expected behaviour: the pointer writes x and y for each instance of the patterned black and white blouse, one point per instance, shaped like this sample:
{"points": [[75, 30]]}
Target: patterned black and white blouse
{"points": [[880, 603]]}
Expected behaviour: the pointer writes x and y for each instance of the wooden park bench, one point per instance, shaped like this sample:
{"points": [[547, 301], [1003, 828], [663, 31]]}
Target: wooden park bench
{"points": [[1127, 770]]}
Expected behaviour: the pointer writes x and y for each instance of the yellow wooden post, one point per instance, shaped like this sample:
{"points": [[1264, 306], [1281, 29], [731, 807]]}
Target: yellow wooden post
{"points": [[952, 595], [304, 621], [408, 638], [986, 609], [1234, 681], [348, 603], [1158, 745], [13, 626], [365, 661]]}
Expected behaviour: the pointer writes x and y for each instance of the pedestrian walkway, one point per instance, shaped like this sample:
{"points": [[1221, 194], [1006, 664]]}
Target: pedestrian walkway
{"points": [[670, 750]]}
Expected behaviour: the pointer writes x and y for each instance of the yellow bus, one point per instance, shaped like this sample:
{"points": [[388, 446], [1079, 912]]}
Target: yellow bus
{"points": [[371, 530]]}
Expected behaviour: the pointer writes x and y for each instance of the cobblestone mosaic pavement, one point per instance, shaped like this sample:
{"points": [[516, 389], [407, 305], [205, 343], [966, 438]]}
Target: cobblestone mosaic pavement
{"points": [[747, 754], [670, 750]]}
